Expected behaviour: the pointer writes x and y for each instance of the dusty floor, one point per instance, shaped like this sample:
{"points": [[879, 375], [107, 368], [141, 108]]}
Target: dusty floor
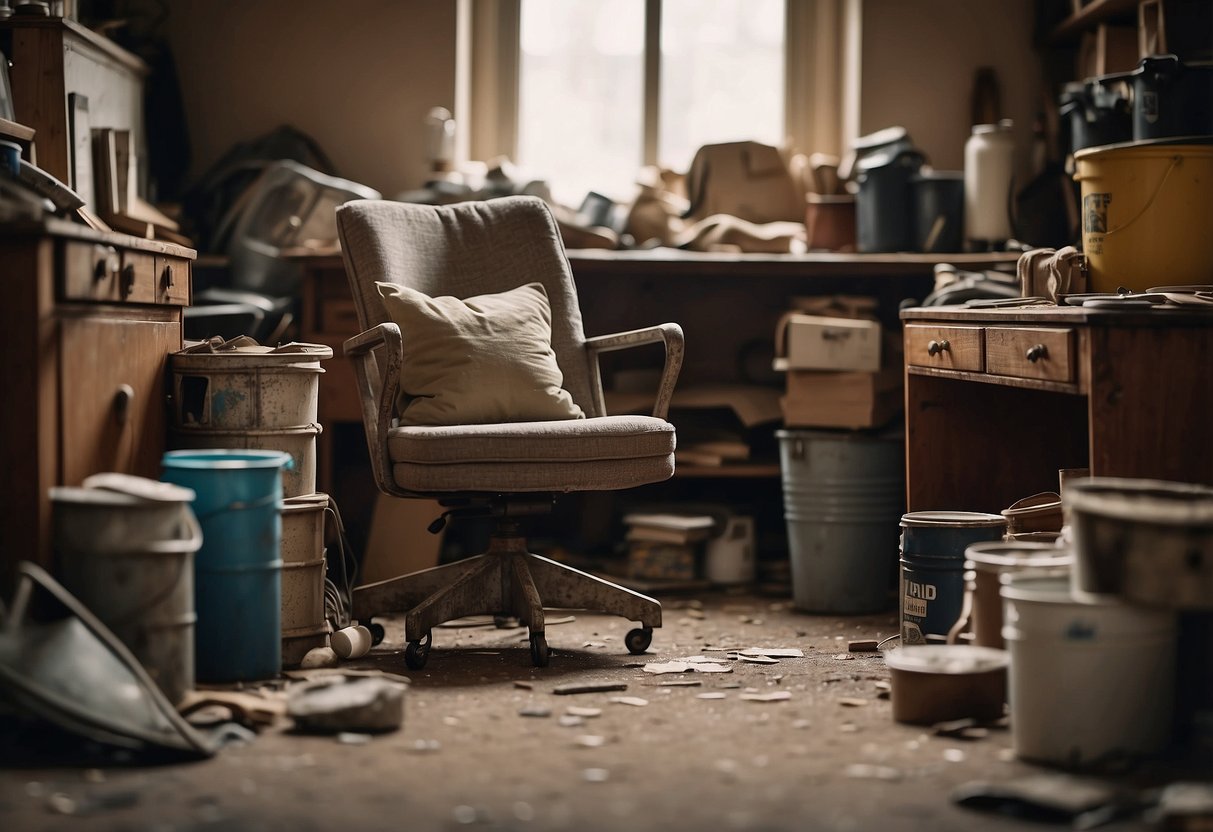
{"points": [[466, 758]]}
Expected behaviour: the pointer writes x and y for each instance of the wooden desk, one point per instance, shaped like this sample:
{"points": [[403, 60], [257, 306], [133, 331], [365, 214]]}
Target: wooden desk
{"points": [[87, 323], [998, 400]]}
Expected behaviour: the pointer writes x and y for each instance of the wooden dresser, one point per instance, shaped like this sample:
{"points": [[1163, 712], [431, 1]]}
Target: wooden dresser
{"points": [[87, 322]]}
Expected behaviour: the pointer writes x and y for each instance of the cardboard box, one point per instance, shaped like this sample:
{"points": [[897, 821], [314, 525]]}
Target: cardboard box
{"points": [[842, 400], [819, 342]]}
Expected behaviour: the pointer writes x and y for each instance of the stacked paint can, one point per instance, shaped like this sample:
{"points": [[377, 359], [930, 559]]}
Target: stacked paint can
{"points": [[238, 395], [933, 547]]}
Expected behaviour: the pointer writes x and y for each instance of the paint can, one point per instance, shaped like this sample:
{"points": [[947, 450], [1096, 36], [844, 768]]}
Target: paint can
{"points": [[933, 545]]}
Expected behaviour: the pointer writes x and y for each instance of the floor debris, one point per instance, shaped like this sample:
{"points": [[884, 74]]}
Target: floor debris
{"points": [[863, 646], [319, 657], [600, 687], [590, 741], [595, 775], [353, 738], [588, 713], [536, 711], [773, 652], [845, 657], [568, 721], [683, 666], [676, 683], [424, 746], [1049, 798], [865, 771], [524, 685], [775, 696], [634, 701], [757, 659], [339, 703], [852, 702], [711, 695]]}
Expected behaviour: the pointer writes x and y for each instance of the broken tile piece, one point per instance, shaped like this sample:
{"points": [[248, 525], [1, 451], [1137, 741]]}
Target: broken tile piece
{"points": [[524, 685], [775, 696], [334, 704], [677, 683], [590, 687], [711, 695], [634, 701], [590, 741], [588, 713], [757, 659], [569, 721], [864, 771], [729, 685], [867, 645], [774, 652], [852, 702], [845, 657], [594, 644], [667, 667], [535, 711]]}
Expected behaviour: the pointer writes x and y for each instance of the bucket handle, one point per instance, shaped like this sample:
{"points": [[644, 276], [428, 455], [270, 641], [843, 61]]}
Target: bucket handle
{"points": [[1176, 160], [165, 547], [963, 621]]}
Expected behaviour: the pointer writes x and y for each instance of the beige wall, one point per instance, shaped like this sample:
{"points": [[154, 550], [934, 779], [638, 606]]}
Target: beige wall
{"points": [[918, 62], [358, 77]]}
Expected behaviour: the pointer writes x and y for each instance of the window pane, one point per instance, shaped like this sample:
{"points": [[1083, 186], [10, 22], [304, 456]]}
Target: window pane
{"points": [[721, 75], [580, 95]]}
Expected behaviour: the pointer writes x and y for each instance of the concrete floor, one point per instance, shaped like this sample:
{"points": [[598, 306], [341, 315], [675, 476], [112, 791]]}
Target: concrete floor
{"points": [[466, 758]]}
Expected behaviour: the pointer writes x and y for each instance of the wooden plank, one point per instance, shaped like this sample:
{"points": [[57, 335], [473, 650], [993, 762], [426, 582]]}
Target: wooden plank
{"points": [[1030, 352], [15, 132], [75, 231], [1005, 381], [1151, 403], [39, 95]]}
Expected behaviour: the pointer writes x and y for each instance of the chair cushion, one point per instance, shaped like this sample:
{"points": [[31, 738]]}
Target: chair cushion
{"points": [[484, 359], [604, 453]]}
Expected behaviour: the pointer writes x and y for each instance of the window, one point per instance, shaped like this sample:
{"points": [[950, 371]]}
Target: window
{"points": [[582, 93]]}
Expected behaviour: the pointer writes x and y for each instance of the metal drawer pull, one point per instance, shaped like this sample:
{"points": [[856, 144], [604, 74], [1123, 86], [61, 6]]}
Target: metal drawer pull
{"points": [[128, 280], [1036, 352], [107, 262], [936, 347], [123, 399], [168, 277]]}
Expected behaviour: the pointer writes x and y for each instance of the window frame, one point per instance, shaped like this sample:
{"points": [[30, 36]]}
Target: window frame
{"points": [[821, 77]]}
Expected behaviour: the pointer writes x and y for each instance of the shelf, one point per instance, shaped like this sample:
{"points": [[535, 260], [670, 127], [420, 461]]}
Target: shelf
{"points": [[16, 132], [1094, 12]]}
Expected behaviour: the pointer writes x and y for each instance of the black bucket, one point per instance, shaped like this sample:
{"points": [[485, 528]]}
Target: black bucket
{"points": [[884, 209], [1096, 114], [1171, 98], [939, 203]]}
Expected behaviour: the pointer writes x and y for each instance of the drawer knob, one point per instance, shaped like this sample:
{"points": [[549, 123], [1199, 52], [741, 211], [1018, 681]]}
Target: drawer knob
{"points": [[1036, 352], [123, 399], [128, 280], [107, 262], [936, 347]]}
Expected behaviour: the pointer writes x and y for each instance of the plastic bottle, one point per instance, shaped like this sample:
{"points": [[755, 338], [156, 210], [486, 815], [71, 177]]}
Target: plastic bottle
{"points": [[989, 165]]}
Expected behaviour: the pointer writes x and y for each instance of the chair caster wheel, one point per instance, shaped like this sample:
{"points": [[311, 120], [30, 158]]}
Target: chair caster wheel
{"points": [[540, 654], [417, 652], [638, 640], [377, 632]]}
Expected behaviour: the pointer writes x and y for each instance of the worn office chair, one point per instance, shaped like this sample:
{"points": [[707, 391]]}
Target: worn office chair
{"points": [[506, 469]]}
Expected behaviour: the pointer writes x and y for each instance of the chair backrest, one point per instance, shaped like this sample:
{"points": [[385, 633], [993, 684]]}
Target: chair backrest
{"points": [[463, 250]]}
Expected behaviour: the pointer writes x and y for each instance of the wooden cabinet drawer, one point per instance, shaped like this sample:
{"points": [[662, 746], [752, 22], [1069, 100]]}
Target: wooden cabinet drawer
{"points": [[89, 271], [945, 347], [151, 278], [339, 317], [1030, 353]]}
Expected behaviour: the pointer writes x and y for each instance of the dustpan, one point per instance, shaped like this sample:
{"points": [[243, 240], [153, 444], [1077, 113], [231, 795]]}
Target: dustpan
{"points": [[73, 672]]}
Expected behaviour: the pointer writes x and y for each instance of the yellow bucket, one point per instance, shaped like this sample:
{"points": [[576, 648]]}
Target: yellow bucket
{"points": [[1147, 214]]}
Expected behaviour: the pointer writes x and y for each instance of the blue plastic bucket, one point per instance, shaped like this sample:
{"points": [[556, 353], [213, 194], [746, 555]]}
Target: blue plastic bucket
{"points": [[933, 547], [238, 570]]}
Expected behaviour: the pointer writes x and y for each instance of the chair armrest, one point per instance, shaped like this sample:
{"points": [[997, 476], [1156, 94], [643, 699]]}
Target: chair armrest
{"points": [[378, 385], [670, 334]]}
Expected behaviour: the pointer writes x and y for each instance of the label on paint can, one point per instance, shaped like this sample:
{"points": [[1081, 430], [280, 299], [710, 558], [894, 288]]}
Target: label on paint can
{"points": [[914, 606]]}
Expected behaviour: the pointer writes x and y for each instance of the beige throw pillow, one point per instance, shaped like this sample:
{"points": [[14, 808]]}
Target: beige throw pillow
{"points": [[480, 360]]}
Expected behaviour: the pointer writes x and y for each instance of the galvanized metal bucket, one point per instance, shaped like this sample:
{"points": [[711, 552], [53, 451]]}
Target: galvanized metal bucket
{"points": [[842, 494]]}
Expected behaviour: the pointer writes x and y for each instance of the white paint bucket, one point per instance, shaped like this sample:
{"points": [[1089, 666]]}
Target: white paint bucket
{"points": [[1091, 684]]}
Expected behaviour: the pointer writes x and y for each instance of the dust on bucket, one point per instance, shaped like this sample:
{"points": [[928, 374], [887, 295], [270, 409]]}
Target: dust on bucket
{"points": [[1146, 212], [933, 544], [842, 494], [125, 547], [238, 570], [1090, 683]]}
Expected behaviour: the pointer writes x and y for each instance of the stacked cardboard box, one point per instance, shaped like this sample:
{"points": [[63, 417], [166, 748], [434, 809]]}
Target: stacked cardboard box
{"points": [[843, 370], [666, 546]]}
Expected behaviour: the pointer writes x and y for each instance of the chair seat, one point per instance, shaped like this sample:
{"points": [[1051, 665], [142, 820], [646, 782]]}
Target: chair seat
{"points": [[608, 452]]}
